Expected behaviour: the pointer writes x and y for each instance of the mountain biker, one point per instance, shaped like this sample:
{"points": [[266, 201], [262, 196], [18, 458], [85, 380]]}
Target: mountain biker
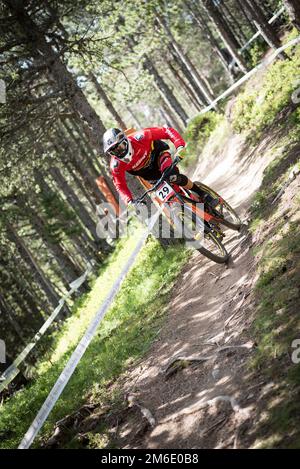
{"points": [[144, 154]]}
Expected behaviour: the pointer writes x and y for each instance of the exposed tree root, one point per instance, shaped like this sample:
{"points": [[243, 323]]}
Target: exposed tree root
{"points": [[179, 362], [242, 413], [132, 401], [71, 421]]}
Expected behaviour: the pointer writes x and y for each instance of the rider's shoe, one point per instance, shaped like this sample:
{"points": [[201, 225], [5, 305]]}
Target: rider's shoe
{"points": [[204, 196], [209, 200]]}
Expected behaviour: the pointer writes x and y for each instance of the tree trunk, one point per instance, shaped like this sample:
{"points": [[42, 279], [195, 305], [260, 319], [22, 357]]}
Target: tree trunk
{"points": [[79, 181], [107, 102], [262, 24], [30, 286], [83, 250], [69, 270], [200, 21], [79, 163], [165, 91], [134, 117], [65, 82], [82, 156], [86, 151], [193, 85], [178, 82], [165, 118], [173, 117], [88, 244], [227, 36], [186, 86], [5, 310], [28, 257], [293, 8], [206, 92], [24, 286], [95, 165], [62, 79], [75, 203], [246, 15], [233, 24]]}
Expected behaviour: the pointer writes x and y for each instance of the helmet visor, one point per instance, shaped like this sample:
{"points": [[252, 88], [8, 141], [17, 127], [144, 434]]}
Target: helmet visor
{"points": [[120, 149]]}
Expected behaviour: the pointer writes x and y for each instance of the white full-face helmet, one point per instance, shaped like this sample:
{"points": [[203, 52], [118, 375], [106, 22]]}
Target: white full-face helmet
{"points": [[116, 143]]}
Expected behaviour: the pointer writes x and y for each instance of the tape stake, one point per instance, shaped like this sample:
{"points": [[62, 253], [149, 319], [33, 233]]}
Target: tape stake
{"points": [[248, 75], [12, 371], [257, 34]]}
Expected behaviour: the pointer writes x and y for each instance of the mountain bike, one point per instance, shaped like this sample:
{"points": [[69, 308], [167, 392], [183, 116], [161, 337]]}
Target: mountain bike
{"points": [[199, 224]]}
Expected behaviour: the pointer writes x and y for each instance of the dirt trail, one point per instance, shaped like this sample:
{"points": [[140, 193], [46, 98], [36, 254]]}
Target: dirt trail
{"points": [[210, 308]]}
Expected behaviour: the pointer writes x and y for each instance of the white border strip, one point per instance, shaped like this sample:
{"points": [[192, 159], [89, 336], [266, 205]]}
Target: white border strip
{"points": [[12, 371], [248, 75], [76, 356]]}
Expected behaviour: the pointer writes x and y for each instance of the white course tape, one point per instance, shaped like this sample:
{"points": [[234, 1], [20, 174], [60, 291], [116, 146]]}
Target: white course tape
{"points": [[12, 371], [82, 346], [258, 33], [248, 75]]}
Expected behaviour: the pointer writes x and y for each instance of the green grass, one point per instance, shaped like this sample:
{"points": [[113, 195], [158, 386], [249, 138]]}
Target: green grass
{"points": [[124, 335], [197, 134], [257, 108]]}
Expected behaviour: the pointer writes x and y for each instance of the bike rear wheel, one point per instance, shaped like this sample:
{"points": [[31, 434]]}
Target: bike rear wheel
{"points": [[199, 233], [224, 211]]}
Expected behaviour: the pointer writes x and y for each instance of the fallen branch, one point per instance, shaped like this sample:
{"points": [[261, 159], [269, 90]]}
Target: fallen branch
{"points": [[212, 427], [239, 431]]}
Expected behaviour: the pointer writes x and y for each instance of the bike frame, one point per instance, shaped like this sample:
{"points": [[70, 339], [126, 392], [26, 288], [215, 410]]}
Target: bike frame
{"points": [[182, 196]]}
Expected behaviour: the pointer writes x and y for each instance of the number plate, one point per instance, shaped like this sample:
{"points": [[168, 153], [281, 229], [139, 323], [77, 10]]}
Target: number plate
{"points": [[165, 192]]}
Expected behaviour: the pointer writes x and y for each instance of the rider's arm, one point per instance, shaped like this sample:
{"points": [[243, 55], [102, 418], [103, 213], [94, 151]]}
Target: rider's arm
{"points": [[167, 133], [119, 179]]}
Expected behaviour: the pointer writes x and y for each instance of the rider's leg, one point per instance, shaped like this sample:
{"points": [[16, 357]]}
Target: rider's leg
{"points": [[182, 180], [186, 183]]}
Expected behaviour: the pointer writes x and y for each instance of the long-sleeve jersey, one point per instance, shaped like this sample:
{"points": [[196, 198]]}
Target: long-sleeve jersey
{"points": [[141, 142]]}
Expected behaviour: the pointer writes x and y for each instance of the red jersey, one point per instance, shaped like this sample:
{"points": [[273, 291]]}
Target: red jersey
{"points": [[141, 142]]}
